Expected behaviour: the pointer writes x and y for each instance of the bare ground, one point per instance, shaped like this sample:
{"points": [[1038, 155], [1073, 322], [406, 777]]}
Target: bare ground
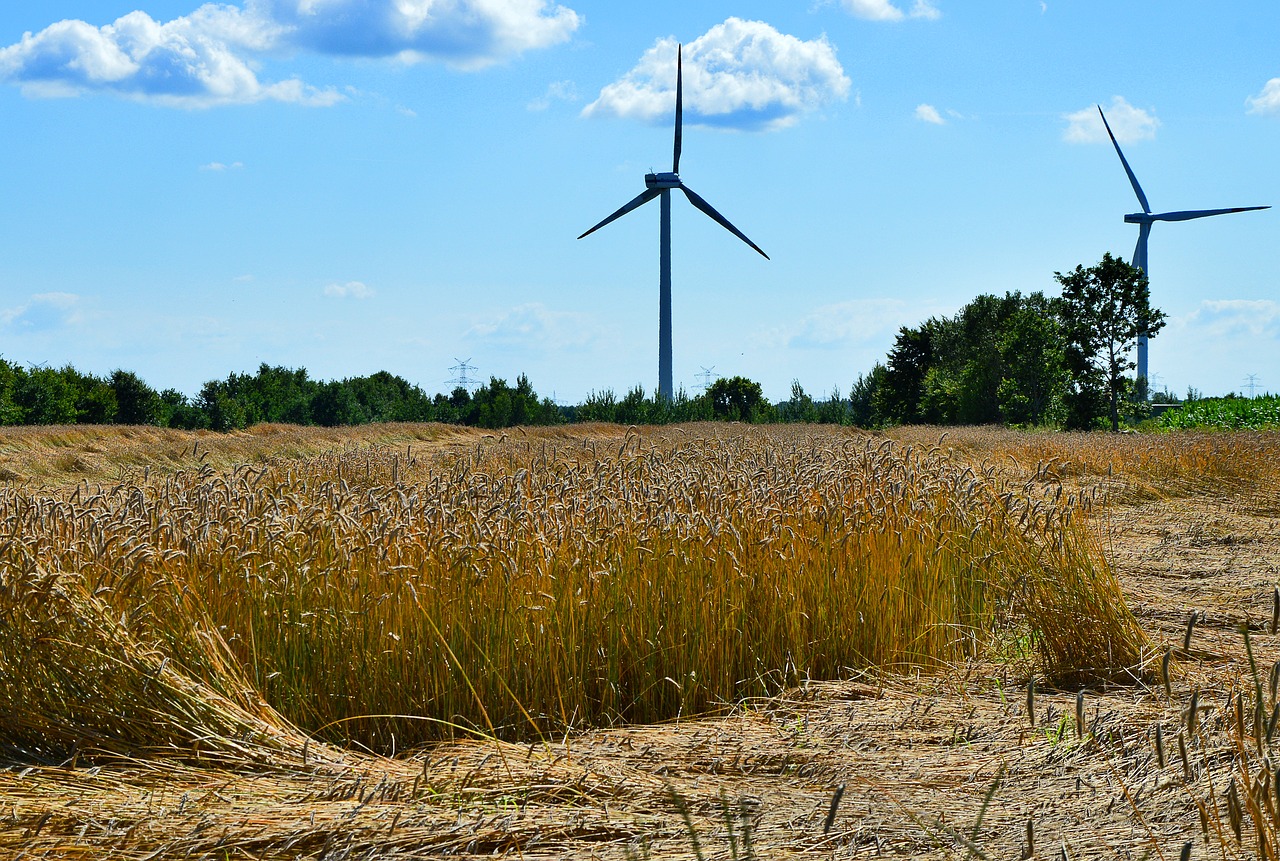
{"points": [[946, 765]]}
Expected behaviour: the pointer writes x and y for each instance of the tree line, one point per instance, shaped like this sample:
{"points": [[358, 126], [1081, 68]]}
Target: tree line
{"points": [[1023, 360], [65, 396]]}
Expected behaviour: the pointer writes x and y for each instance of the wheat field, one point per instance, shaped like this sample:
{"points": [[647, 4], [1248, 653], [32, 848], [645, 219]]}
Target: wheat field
{"points": [[445, 642]]}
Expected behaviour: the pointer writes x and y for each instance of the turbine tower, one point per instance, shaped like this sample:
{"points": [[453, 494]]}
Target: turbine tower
{"points": [[660, 185], [1144, 220]]}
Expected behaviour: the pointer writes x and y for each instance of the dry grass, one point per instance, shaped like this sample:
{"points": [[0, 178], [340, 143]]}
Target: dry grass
{"points": [[946, 765], [521, 588]]}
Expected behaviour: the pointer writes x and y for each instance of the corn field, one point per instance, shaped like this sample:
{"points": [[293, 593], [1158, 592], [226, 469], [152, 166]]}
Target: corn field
{"points": [[523, 586]]}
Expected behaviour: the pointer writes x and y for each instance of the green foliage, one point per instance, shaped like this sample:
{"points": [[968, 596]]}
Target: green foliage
{"points": [[739, 399], [136, 402], [1001, 359], [10, 412], [1104, 309], [800, 408], [1229, 413], [290, 396], [178, 412], [865, 399], [499, 406], [1020, 360], [901, 389], [1032, 348], [45, 397]]}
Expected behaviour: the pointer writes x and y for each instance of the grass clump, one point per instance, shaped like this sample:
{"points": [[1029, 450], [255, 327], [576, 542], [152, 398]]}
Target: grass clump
{"points": [[518, 586]]}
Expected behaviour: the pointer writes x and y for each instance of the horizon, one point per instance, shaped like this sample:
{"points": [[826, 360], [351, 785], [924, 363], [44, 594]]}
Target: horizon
{"points": [[199, 190]]}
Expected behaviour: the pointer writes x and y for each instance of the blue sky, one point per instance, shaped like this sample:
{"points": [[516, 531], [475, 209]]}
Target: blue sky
{"points": [[357, 185]]}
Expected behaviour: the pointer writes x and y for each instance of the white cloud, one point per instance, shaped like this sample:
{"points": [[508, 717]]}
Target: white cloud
{"points": [[557, 91], [217, 166], [1267, 101], [926, 10], [741, 75], [43, 312], [885, 10], [1128, 123], [468, 34], [188, 62], [207, 58], [350, 290], [929, 114], [1234, 319], [534, 325]]}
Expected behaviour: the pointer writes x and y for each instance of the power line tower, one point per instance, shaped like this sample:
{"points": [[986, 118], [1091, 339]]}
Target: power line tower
{"points": [[705, 376], [1251, 383], [462, 374]]}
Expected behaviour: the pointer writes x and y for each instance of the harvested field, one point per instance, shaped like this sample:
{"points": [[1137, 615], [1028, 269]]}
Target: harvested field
{"points": [[936, 749]]}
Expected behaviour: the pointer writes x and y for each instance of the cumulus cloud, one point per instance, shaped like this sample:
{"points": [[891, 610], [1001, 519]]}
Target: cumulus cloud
{"points": [[534, 325], [464, 33], [191, 61], [929, 114], [208, 58], [741, 75], [1267, 101], [43, 312], [885, 10], [350, 290], [1127, 122]]}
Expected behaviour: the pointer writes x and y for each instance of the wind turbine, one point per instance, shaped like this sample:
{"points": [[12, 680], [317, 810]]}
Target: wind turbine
{"points": [[1144, 220], [660, 185]]}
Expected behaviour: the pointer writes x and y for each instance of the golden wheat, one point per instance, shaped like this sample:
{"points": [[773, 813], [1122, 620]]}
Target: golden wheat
{"points": [[518, 585]]}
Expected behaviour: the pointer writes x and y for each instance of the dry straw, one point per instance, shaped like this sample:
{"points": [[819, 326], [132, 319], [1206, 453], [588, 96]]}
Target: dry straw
{"points": [[519, 587]]}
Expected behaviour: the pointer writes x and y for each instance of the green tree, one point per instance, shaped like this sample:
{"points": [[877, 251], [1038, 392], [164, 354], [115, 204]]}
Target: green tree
{"points": [[834, 410], [738, 399], [219, 403], [1104, 308], [176, 411], [598, 407], [335, 405], [10, 374], [136, 402], [45, 397], [901, 388], [800, 408], [1032, 347], [864, 398]]}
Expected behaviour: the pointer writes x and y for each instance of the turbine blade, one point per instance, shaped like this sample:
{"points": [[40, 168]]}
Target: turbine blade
{"points": [[718, 218], [1187, 215], [675, 164], [636, 202], [1133, 180]]}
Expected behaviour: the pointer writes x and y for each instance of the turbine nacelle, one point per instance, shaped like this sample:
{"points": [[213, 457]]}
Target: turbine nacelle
{"points": [[662, 180], [1138, 218]]}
